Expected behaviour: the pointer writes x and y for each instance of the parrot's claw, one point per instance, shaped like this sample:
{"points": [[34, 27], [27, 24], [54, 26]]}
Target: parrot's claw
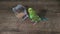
{"points": [[35, 23]]}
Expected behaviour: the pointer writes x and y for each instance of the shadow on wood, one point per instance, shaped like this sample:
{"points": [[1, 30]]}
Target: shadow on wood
{"points": [[42, 13]]}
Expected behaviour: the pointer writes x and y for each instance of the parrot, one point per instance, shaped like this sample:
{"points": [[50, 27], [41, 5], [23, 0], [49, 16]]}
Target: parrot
{"points": [[33, 15]]}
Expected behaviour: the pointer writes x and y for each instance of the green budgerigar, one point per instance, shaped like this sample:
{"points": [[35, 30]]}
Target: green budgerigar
{"points": [[33, 15]]}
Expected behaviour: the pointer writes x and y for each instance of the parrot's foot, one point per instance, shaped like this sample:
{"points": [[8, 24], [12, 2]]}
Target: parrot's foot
{"points": [[35, 23]]}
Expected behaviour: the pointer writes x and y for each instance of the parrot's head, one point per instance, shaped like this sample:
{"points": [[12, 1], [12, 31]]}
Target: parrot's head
{"points": [[30, 10]]}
